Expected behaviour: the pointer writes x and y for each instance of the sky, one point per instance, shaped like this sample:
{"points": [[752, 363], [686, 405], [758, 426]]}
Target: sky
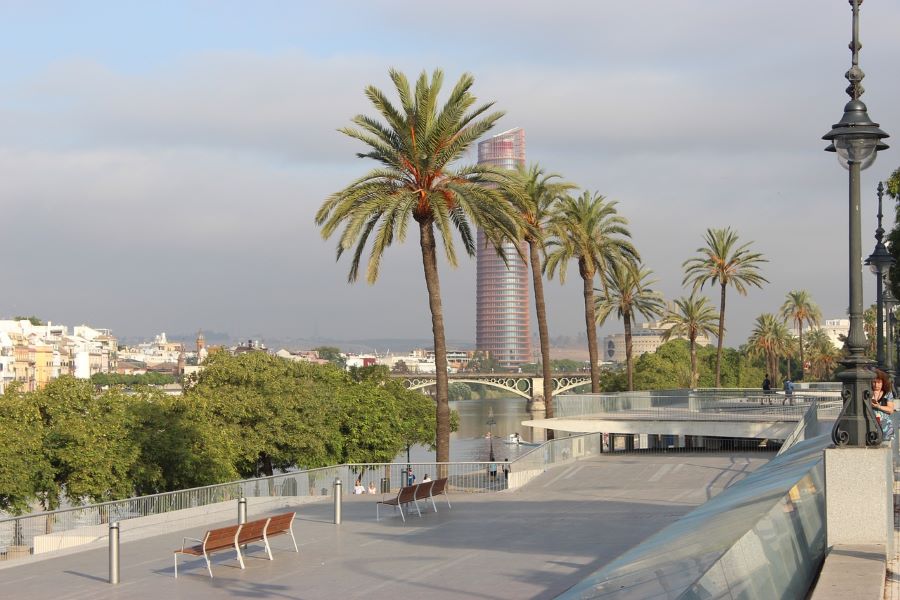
{"points": [[161, 163]]}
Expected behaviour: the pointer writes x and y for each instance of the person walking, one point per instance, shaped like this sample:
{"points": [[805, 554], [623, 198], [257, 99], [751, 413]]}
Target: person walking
{"points": [[788, 392]]}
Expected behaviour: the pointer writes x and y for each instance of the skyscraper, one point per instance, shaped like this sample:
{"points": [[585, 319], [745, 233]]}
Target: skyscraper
{"points": [[503, 315]]}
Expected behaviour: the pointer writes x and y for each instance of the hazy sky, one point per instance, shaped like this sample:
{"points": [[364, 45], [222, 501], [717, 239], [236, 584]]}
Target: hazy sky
{"points": [[161, 163]]}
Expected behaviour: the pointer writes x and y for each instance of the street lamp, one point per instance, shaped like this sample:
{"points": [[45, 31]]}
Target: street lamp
{"points": [[856, 139], [490, 423], [879, 262], [890, 302]]}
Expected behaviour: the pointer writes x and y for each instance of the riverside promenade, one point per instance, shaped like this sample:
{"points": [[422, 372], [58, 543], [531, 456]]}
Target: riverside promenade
{"points": [[534, 542]]}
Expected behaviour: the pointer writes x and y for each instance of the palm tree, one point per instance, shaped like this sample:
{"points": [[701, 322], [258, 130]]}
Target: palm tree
{"points": [[416, 145], [799, 307], [771, 339], [822, 354], [723, 262], [693, 317], [870, 320], [539, 193], [628, 292], [588, 229]]}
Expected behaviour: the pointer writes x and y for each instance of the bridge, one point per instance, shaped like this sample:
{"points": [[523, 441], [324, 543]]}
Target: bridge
{"points": [[520, 384]]}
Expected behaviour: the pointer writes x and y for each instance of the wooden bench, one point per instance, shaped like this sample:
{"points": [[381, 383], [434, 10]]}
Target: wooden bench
{"points": [[237, 536], [406, 495], [426, 490], [438, 487], [215, 540], [263, 529]]}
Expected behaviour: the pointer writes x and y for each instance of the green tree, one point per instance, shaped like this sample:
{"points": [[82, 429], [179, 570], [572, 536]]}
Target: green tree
{"points": [[769, 338], [535, 202], [589, 230], [32, 319], [567, 365], [822, 354], [628, 292], [800, 308], [332, 354], [272, 413], [893, 238], [86, 442], [691, 317], [180, 446], [23, 465], [460, 391], [870, 324], [725, 263], [416, 146]]}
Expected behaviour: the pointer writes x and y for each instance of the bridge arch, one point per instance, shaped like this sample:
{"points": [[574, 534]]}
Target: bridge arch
{"points": [[520, 386]]}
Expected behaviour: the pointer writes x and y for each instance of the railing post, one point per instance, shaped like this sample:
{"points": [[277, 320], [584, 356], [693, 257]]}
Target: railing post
{"points": [[337, 500], [242, 510], [114, 552]]}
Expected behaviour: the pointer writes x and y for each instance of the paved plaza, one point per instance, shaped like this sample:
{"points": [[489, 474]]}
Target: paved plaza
{"points": [[530, 543]]}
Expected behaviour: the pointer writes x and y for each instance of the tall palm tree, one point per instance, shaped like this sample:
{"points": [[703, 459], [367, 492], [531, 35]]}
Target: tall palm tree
{"points": [[691, 317], [627, 293], [771, 339], [588, 229], [870, 324], [725, 263], [822, 354], [416, 145], [800, 308], [540, 191]]}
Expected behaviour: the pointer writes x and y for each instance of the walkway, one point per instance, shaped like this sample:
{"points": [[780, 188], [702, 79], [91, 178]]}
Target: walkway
{"points": [[531, 543]]}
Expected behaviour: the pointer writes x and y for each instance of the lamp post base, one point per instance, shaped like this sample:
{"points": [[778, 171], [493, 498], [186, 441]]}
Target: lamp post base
{"points": [[856, 425]]}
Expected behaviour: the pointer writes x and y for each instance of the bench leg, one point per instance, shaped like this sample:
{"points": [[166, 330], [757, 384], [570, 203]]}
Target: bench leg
{"points": [[447, 496], [268, 548], [176, 565], [401, 513], [208, 564], [240, 558], [293, 539], [417, 508], [433, 505]]}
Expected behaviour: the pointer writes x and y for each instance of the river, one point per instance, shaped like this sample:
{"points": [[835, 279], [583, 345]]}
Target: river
{"points": [[470, 443]]}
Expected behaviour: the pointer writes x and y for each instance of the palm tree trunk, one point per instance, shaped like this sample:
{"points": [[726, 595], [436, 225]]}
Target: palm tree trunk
{"points": [[720, 335], [802, 361], [544, 336], [442, 409], [628, 370], [591, 323], [773, 367], [695, 376]]}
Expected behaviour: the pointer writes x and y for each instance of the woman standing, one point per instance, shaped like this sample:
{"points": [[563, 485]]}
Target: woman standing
{"points": [[882, 403]]}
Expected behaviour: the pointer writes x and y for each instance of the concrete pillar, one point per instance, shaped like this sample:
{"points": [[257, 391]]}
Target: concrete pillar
{"points": [[859, 500], [537, 394]]}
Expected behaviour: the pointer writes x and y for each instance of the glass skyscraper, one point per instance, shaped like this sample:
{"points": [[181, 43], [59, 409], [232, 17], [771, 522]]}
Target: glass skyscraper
{"points": [[503, 314]]}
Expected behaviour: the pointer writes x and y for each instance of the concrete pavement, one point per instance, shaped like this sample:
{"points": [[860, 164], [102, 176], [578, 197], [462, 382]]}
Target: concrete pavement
{"points": [[530, 543]]}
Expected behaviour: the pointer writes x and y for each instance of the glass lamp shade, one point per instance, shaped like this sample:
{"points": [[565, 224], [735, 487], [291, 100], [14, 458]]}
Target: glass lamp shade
{"points": [[855, 150]]}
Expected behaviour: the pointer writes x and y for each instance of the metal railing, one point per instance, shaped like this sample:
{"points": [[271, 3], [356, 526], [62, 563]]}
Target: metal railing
{"points": [[691, 405], [28, 534], [18, 535]]}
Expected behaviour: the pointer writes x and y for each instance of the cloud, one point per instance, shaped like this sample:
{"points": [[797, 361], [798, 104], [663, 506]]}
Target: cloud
{"points": [[180, 194]]}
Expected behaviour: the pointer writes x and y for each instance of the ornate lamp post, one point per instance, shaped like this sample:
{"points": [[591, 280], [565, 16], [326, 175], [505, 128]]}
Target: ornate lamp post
{"points": [[880, 262], [856, 139], [890, 302]]}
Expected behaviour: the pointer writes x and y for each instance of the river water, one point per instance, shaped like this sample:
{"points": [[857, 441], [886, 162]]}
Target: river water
{"points": [[471, 443]]}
